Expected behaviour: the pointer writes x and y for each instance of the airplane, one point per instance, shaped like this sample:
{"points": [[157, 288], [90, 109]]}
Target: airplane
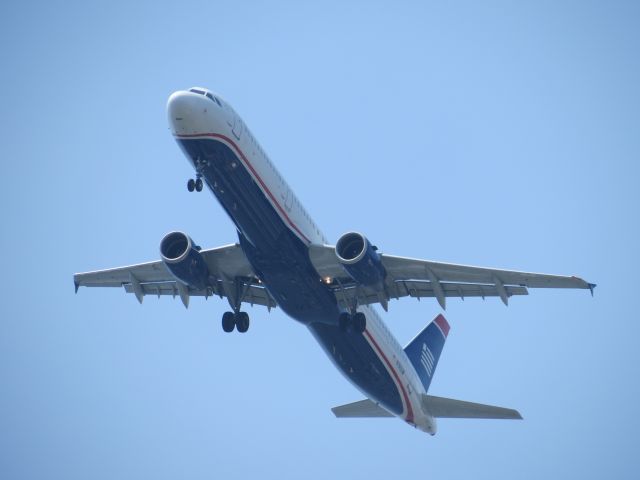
{"points": [[282, 260]]}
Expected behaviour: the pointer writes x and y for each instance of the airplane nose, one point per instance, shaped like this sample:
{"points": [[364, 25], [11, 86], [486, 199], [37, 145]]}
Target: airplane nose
{"points": [[194, 112], [180, 109]]}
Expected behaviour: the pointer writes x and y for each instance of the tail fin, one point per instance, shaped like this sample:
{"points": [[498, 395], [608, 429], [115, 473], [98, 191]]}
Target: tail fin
{"points": [[424, 350]]}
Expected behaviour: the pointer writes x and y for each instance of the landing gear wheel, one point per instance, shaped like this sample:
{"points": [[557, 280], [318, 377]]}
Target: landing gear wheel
{"points": [[359, 322], [199, 185], [343, 321], [228, 322], [242, 321], [191, 185]]}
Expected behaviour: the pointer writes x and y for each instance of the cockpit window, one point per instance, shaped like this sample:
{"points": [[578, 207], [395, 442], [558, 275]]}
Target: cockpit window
{"points": [[195, 90], [213, 99]]}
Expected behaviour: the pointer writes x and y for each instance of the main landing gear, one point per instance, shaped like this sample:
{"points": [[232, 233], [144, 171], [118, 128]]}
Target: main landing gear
{"points": [[356, 322], [195, 184], [238, 320]]}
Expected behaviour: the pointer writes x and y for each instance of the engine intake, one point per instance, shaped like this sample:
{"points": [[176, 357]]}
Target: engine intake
{"points": [[360, 260], [183, 260]]}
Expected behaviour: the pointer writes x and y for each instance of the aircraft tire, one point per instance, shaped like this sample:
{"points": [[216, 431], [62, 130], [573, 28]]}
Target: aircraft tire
{"points": [[343, 321], [242, 322], [359, 322], [228, 322], [199, 185], [191, 185]]}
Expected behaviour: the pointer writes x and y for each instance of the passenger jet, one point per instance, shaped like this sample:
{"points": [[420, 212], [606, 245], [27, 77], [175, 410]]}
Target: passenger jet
{"points": [[282, 259]]}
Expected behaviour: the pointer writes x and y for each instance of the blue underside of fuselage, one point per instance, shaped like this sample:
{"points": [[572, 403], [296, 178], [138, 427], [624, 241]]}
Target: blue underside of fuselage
{"points": [[281, 260]]}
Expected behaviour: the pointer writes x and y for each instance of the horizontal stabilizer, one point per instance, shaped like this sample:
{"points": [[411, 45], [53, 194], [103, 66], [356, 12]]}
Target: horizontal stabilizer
{"points": [[440, 407], [362, 409]]}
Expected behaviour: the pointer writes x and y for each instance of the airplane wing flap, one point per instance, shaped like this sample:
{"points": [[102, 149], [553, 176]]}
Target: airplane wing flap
{"points": [[421, 289], [253, 294]]}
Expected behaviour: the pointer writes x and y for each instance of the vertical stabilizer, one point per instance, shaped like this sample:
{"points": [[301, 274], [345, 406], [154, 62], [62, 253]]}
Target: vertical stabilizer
{"points": [[424, 350]]}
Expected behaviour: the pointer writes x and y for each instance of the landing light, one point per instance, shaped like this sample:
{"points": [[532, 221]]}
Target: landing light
{"points": [[327, 280]]}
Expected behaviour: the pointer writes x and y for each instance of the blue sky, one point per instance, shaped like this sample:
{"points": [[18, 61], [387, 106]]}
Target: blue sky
{"points": [[503, 134]]}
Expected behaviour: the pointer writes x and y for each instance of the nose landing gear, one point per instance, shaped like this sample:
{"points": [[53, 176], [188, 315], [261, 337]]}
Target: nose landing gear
{"points": [[195, 184]]}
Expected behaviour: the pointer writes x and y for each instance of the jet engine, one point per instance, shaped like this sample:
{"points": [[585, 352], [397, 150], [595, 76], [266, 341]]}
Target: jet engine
{"points": [[183, 260], [360, 260]]}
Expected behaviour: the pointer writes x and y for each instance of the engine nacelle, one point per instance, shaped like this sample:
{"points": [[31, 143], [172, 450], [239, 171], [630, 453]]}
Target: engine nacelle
{"points": [[360, 260], [184, 261]]}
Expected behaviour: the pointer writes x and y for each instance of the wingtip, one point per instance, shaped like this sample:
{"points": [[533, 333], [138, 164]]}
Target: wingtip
{"points": [[592, 286]]}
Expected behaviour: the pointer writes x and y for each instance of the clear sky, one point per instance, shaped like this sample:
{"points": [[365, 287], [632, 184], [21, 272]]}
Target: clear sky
{"points": [[503, 134]]}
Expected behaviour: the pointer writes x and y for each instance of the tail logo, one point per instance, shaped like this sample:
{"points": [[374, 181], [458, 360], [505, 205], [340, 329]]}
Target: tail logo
{"points": [[427, 359]]}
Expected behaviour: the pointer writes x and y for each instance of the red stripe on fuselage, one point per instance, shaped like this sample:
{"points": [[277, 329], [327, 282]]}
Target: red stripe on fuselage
{"points": [[253, 171], [395, 374]]}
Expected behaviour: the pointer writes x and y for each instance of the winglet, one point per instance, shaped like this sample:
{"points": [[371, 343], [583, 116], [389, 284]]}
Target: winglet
{"points": [[76, 285], [591, 287]]}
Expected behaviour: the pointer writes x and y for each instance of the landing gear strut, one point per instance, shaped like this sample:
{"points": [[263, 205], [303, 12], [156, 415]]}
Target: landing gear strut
{"points": [[238, 320], [356, 322]]}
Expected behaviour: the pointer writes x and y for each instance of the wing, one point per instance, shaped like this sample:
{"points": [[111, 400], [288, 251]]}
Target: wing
{"points": [[231, 276], [425, 278]]}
